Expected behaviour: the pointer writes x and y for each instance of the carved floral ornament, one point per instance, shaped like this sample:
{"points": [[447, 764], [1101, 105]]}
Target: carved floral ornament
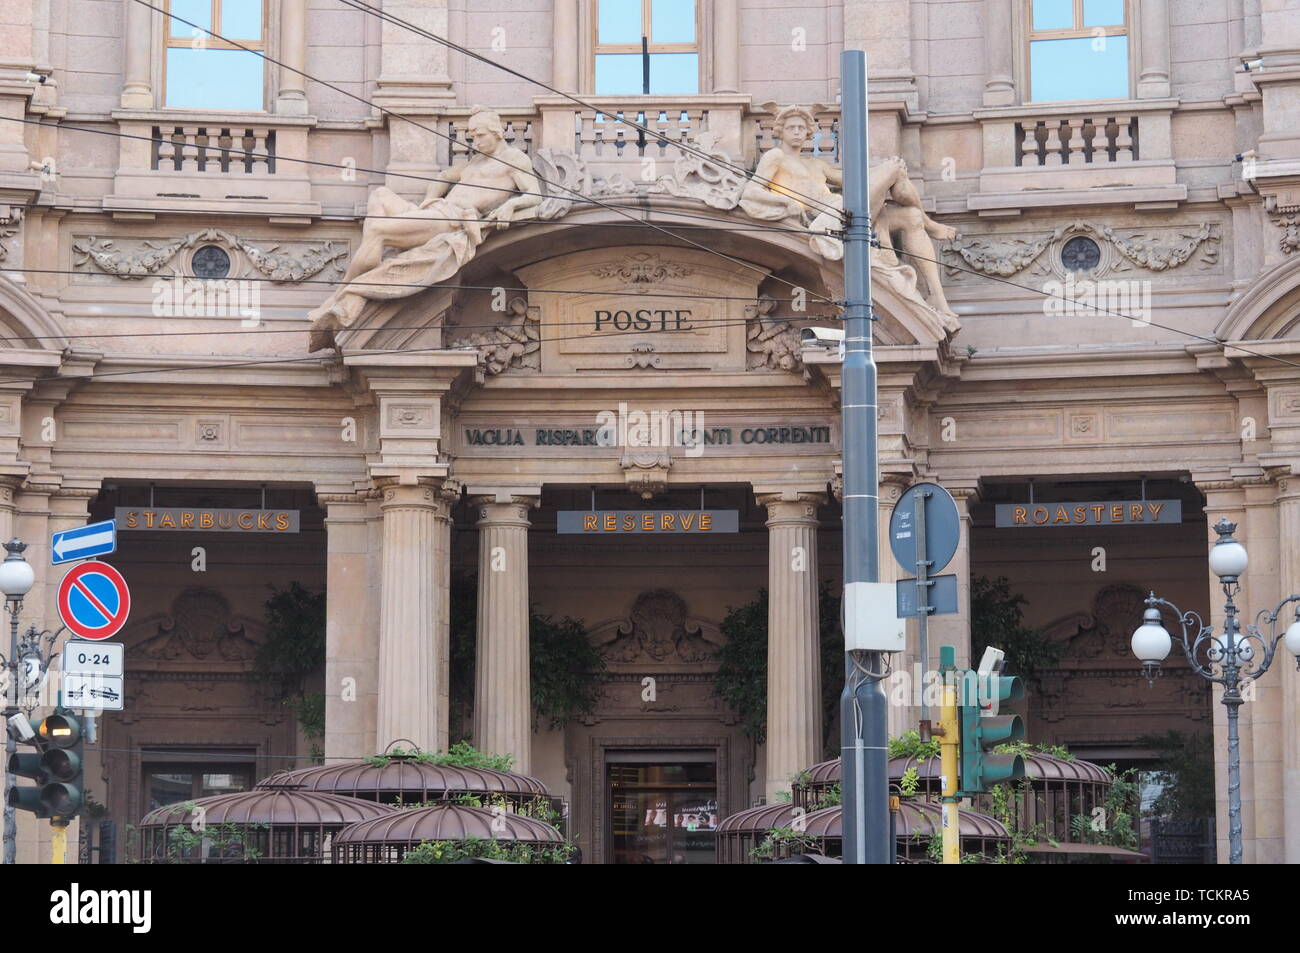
{"points": [[1004, 255], [285, 262], [9, 227]]}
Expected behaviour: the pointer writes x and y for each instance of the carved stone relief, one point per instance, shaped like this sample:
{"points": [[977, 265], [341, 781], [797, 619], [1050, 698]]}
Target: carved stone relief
{"points": [[1153, 250], [282, 262], [515, 344], [658, 631], [772, 343], [199, 628], [9, 228]]}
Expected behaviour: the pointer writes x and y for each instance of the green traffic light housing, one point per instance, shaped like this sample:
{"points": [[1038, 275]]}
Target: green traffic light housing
{"points": [[60, 730], [983, 728]]}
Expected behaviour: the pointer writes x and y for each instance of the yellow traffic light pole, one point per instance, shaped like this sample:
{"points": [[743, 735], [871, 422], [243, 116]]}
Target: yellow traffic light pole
{"points": [[58, 841], [949, 748]]}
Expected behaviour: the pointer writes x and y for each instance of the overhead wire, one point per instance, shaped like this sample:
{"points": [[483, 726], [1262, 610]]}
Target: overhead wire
{"points": [[437, 132], [685, 147]]}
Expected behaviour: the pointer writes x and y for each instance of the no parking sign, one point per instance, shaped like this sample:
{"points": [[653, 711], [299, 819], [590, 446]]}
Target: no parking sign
{"points": [[94, 600]]}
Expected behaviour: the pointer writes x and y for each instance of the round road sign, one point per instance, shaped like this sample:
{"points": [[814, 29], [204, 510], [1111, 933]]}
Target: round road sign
{"points": [[942, 527], [94, 600]]}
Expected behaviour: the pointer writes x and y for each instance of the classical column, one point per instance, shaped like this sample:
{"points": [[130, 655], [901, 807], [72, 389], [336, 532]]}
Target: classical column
{"points": [[999, 85], [353, 541], [564, 45], [412, 617], [502, 693], [137, 91], [1153, 70], [726, 46], [1288, 528], [908, 672], [794, 706], [291, 99], [954, 629]]}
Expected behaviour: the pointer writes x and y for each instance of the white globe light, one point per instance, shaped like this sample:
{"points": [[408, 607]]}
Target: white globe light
{"points": [[1293, 637], [1151, 643], [16, 578], [1228, 559]]}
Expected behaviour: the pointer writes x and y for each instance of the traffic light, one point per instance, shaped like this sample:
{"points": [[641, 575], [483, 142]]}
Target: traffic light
{"points": [[28, 765], [983, 729], [57, 768]]}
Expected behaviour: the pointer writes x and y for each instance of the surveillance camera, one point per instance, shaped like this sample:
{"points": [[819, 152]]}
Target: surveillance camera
{"points": [[37, 78], [21, 727], [826, 337], [1249, 66]]}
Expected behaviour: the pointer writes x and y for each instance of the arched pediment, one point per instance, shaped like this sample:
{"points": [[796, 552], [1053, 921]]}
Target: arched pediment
{"points": [[25, 324], [673, 226], [1269, 310]]}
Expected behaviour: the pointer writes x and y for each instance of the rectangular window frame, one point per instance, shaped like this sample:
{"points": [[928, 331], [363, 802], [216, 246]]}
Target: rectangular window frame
{"points": [[1078, 31], [171, 42], [598, 48]]}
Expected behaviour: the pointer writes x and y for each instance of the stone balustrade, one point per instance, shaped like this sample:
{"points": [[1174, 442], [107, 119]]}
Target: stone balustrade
{"points": [[1083, 139]]}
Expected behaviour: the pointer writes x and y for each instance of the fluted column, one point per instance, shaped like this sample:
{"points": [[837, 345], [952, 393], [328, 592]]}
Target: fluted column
{"points": [[413, 617], [1153, 69], [502, 695], [1288, 527], [999, 84], [726, 46], [137, 91], [352, 533], [794, 708], [291, 99], [564, 45]]}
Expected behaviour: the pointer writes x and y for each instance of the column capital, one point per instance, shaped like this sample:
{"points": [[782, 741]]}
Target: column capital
{"points": [[787, 508], [493, 511], [522, 495], [426, 494]]}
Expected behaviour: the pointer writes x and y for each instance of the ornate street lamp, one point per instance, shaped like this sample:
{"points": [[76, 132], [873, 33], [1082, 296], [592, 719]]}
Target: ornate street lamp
{"points": [[1231, 659], [25, 666]]}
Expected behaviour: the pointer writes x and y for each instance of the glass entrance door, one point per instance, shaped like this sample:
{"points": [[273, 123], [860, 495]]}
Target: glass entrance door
{"points": [[663, 812]]}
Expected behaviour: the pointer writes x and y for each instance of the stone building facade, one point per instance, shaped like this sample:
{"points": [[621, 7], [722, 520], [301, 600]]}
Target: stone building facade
{"points": [[1125, 279]]}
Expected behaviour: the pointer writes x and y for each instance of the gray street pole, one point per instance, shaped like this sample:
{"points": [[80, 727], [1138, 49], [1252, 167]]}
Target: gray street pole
{"points": [[863, 708]]}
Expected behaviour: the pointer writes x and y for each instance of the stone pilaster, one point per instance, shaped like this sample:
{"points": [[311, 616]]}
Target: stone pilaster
{"points": [[1153, 65], [137, 91], [291, 98], [412, 702], [564, 45], [726, 46], [999, 84], [354, 540], [794, 717], [502, 696]]}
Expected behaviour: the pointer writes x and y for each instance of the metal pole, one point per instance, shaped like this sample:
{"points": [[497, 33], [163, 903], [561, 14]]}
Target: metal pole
{"points": [[1234, 781], [923, 601], [863, 706], [1232, 701], [11, 746]]}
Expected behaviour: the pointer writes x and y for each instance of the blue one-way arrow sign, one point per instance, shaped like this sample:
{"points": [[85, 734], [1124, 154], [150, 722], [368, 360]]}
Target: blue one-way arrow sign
{"points": [[84, 542]]}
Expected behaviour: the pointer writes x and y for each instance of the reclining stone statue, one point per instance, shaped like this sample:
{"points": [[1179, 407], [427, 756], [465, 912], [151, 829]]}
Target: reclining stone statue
{"points": [[435, 238], [788, 185]]}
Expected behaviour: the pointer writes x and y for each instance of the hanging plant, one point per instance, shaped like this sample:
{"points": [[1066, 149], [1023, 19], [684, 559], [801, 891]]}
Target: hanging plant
{"points": [[741, 680], [293, 652], [566, 671]]}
